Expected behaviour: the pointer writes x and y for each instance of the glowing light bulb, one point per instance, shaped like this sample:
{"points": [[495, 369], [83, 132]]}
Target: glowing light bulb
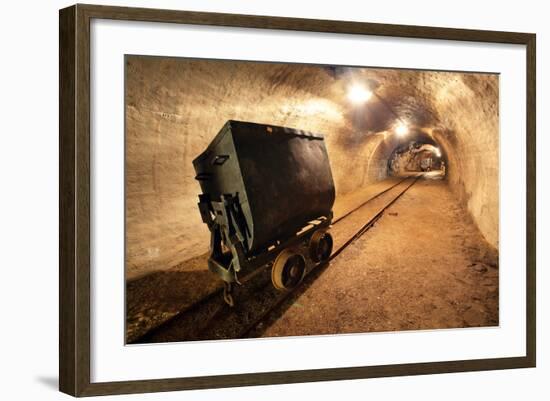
{"points": [[401, 130], [437, 152], [359, 94]]}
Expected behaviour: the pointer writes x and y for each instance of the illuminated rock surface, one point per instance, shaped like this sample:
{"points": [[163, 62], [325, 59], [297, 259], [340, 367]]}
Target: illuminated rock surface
{"points": [[175, 107]]}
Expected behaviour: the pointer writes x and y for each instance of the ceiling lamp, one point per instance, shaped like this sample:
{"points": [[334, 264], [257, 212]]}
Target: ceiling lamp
{"points": [[359, 94]]}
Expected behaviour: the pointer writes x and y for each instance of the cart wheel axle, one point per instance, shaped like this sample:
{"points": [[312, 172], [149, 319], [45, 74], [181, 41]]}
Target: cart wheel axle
{"points": [[288, 270], [320, 246]]}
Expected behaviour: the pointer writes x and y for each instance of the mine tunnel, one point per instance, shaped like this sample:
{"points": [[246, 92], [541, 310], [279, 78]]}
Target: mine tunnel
{"points": [[430, 260]]}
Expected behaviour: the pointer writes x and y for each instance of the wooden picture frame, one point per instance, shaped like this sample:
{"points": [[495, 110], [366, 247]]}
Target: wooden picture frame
{"points": [[74, 199]]}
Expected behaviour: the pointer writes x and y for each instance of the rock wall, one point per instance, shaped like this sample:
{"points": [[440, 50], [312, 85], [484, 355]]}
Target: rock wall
{"points": [[174, 107]]}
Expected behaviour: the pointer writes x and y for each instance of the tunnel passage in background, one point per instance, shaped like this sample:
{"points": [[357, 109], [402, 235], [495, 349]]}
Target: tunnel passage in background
{"points": [[416, 157], [422, 154]]}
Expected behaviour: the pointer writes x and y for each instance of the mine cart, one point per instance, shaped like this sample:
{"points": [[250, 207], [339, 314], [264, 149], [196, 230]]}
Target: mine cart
{"points": [[267, 197]]}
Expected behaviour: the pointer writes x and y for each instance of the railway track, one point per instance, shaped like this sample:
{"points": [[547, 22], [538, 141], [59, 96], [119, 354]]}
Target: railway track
{"points": [[258, 302]]}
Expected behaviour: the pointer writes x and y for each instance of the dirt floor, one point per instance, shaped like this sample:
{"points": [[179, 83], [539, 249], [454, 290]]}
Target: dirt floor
{"points": [[424, 265], [153, 299]]}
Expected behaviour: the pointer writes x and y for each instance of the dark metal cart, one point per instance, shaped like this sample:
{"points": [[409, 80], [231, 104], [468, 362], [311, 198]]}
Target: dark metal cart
{"points": [[267, 197]]}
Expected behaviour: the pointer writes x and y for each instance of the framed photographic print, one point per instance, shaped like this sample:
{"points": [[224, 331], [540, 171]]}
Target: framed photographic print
{"points": [[251, 200]]}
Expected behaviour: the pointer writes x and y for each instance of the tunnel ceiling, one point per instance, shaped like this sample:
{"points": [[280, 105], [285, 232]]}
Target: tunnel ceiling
{"points": [[176, 107]]}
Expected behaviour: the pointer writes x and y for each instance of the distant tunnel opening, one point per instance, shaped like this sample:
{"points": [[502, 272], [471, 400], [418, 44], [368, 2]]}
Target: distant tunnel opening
{"points": [[416, 157]]}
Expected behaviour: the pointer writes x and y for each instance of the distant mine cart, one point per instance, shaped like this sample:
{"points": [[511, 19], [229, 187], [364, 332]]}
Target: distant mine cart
{"points": [[267, 197], [426, 164]]}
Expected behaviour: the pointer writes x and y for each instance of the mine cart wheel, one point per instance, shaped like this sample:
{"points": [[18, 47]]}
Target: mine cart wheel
{"points": [[288, 270], [320, 246]]}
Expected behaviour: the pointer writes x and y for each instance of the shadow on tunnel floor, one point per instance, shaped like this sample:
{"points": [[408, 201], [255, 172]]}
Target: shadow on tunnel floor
{"points": [[155, 298]]}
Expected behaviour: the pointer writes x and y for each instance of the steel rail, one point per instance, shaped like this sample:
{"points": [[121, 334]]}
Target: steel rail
{"points": [[322, 266], [219, 292]]}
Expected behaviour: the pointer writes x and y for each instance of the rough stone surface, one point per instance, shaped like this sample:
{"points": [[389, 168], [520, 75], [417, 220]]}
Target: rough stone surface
{"points": [[174, 107], [424, 265], [155, 298]]}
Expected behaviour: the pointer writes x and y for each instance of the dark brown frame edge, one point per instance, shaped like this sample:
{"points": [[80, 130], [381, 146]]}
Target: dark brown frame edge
{"points": [[74, 199]]}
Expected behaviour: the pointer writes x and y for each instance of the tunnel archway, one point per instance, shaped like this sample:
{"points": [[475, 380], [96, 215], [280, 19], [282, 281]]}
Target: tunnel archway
{"points": [[418, 155], [388, 145], [457, 112], [406, 243]]}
